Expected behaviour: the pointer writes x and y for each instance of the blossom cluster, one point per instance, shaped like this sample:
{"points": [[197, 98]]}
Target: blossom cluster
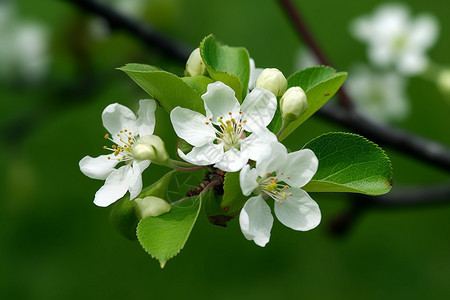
{"points": [[230, 136]]}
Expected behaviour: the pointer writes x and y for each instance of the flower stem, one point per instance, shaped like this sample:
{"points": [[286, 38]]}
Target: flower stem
{"points": [[284, 125], [191, 169], [180, 163], [207, 188]]}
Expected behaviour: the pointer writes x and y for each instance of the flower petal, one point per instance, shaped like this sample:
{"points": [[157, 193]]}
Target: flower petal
{"points": [[298, 211], [135, 186], [115, 187], [257, 143], [247, 180], [220, 101], [97, 168], [254, 74], [202, 156], [117, 117], [146, 117], [300, 167], [258, 109], [191, 126], [256, 221], [272, 159], [232, 161]]}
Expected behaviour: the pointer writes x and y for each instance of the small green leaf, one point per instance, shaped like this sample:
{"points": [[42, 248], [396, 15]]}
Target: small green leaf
{"points": [[163, 237], [123, 215], [233, 199], [168, 89], [320, 83], [231, 65], [198, 83], [349, 163]]}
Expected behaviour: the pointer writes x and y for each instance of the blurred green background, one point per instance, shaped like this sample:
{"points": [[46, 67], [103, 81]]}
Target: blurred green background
{"points": [[55, 244]]}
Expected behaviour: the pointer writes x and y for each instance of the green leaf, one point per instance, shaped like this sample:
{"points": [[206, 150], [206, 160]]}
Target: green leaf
{"points": [[349, 163], [213, 211], [320, 83], [168, 89], [163, 237], [123, 214], [198, 83], [233, 199], [231, 65]]}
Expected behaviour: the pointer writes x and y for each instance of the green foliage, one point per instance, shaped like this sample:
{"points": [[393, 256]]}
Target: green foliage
{"points": [[349, 163], [198, 83], [123, 214], [320, 83], [163, 237], [168, 89], [233, 199], [231, 65]]}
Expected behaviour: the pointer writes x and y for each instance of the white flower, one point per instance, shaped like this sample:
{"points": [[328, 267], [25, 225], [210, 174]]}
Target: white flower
{"points": [[278, 175], [220, 138], [24, 46], [379, 96], [254, 74], [125, 130], [396, 39]]}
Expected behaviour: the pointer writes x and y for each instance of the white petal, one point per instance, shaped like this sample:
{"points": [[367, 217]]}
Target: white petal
{"points": [[115, 187], [256, 221], [135, 187], [202, 156], [191, 126], [257, 143], [298, 211], [412, 63], [424, 32], [117, 117], [232, 161], [258, 109], [272, 159], [254, 74], [300, 167], [97, 168], [146, 117], [247, 180], [220, 101]]}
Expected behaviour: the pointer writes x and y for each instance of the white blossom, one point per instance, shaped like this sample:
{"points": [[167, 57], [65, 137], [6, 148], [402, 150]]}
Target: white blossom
{"points": [[278, 175], [125, 131], [220, 137], [396, 39], [379, 96]]}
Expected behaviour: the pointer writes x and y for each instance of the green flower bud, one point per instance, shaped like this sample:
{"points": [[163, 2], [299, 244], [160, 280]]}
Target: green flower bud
{"points": [[272, 80], [151, 207], [150, 147], [195, 65], [293, 103]]}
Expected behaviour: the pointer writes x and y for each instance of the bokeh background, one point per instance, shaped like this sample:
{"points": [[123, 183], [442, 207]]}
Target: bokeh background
{"points": [[55, 244]]}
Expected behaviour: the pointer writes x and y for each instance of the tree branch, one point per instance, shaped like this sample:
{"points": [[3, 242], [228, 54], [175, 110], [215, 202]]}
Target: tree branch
{"points": [[304, 33], [408, 143], [412, 197]]}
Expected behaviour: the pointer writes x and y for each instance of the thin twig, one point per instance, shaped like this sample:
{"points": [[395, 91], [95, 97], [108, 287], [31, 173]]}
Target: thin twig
{"points": [[399, 198], [305, 33]]}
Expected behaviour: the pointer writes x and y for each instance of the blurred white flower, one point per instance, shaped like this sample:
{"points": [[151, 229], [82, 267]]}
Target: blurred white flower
{"points": [[304, 58], [23, 46], [396, 39], [379, 96]]}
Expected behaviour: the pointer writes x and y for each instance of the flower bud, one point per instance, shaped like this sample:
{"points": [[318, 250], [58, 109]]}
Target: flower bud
{"points": [[293, 103], [195, 65], [272, 80], [150, 147], [151, 206]]}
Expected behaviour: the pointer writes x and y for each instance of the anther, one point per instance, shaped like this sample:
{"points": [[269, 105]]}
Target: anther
{"points": [[126, 130], [280, 202], [281, 173], [109, 157], [207, 123], [230, 113], [121, 131], [284, 195], [245, 121], [106, 136], [288, 177], [104, 147], [240, 112], [290, 194]]}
